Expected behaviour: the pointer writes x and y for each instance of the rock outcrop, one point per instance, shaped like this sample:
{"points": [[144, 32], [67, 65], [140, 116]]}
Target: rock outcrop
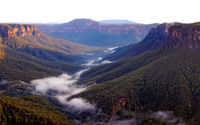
{"points": [[158, 34], [184, 34], [20, 30]]}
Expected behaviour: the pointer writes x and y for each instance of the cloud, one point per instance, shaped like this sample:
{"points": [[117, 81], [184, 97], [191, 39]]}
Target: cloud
{"points": [[106, 62], [75, 104], [99, 59], [168, 118], [113, 48], [90, 63], [62, 87]]}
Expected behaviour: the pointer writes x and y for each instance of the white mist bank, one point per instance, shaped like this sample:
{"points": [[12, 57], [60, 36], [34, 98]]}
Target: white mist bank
{"points": [[62, 88], [111, 50]]}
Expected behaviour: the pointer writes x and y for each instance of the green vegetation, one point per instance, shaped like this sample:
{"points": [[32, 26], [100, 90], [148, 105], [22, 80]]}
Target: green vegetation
{"points": [[111, 71], [2, 54], [15, 88], [28, 39], [21, 66], [26, 54], [31, 110], [170, 82]]}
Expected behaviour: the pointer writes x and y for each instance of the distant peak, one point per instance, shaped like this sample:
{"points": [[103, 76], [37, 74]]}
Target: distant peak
{"points": [[82, 21], [117, 21]]}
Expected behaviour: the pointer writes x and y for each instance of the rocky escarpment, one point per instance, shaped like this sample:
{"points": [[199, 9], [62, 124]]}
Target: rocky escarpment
{"points": [[11, 30], [158, 34], [187, 35]]}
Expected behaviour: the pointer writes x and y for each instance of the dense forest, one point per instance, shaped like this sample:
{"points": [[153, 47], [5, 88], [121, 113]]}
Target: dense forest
{"points": [[168, 83], [32, 110], [166, 79]]}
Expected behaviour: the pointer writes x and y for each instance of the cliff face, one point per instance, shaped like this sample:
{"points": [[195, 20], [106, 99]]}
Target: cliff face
{"points": [[11, 30], [187, 35], [159, 33]]}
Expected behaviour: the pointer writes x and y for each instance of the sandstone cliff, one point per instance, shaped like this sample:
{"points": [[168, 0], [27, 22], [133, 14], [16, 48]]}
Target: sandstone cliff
{"points": [[11, 30], [187, 35]]}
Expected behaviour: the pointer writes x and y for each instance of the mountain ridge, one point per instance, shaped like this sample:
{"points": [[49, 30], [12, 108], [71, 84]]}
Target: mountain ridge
{"points": [[93, 33], [117, 21]]}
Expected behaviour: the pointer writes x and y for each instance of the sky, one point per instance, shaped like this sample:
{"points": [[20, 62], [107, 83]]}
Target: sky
{"points": [[60, 11]]}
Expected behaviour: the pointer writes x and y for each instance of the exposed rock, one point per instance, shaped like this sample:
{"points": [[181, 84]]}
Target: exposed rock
{"points": [[184, 34], [10, 30], [119, 105]]}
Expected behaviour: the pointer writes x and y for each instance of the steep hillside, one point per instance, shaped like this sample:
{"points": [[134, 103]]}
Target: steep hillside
{"points": [[33, 110], [154, 40], [27, 54], [92, 33], [111, 71], [21, 66], [168, 82]]}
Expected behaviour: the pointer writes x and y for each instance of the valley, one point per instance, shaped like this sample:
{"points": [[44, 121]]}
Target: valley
{"points": [[99, 62], [154, 81]]}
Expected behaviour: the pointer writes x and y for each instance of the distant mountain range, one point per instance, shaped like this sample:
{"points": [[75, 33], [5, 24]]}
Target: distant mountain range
{"points": [[92, 33], [117, 22]]}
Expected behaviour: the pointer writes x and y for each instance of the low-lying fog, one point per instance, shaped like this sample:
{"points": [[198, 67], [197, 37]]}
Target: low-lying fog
{"points": [[64, 86]]}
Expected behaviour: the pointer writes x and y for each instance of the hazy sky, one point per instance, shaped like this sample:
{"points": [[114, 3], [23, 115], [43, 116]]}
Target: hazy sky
{"points": [[141, 11]]}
